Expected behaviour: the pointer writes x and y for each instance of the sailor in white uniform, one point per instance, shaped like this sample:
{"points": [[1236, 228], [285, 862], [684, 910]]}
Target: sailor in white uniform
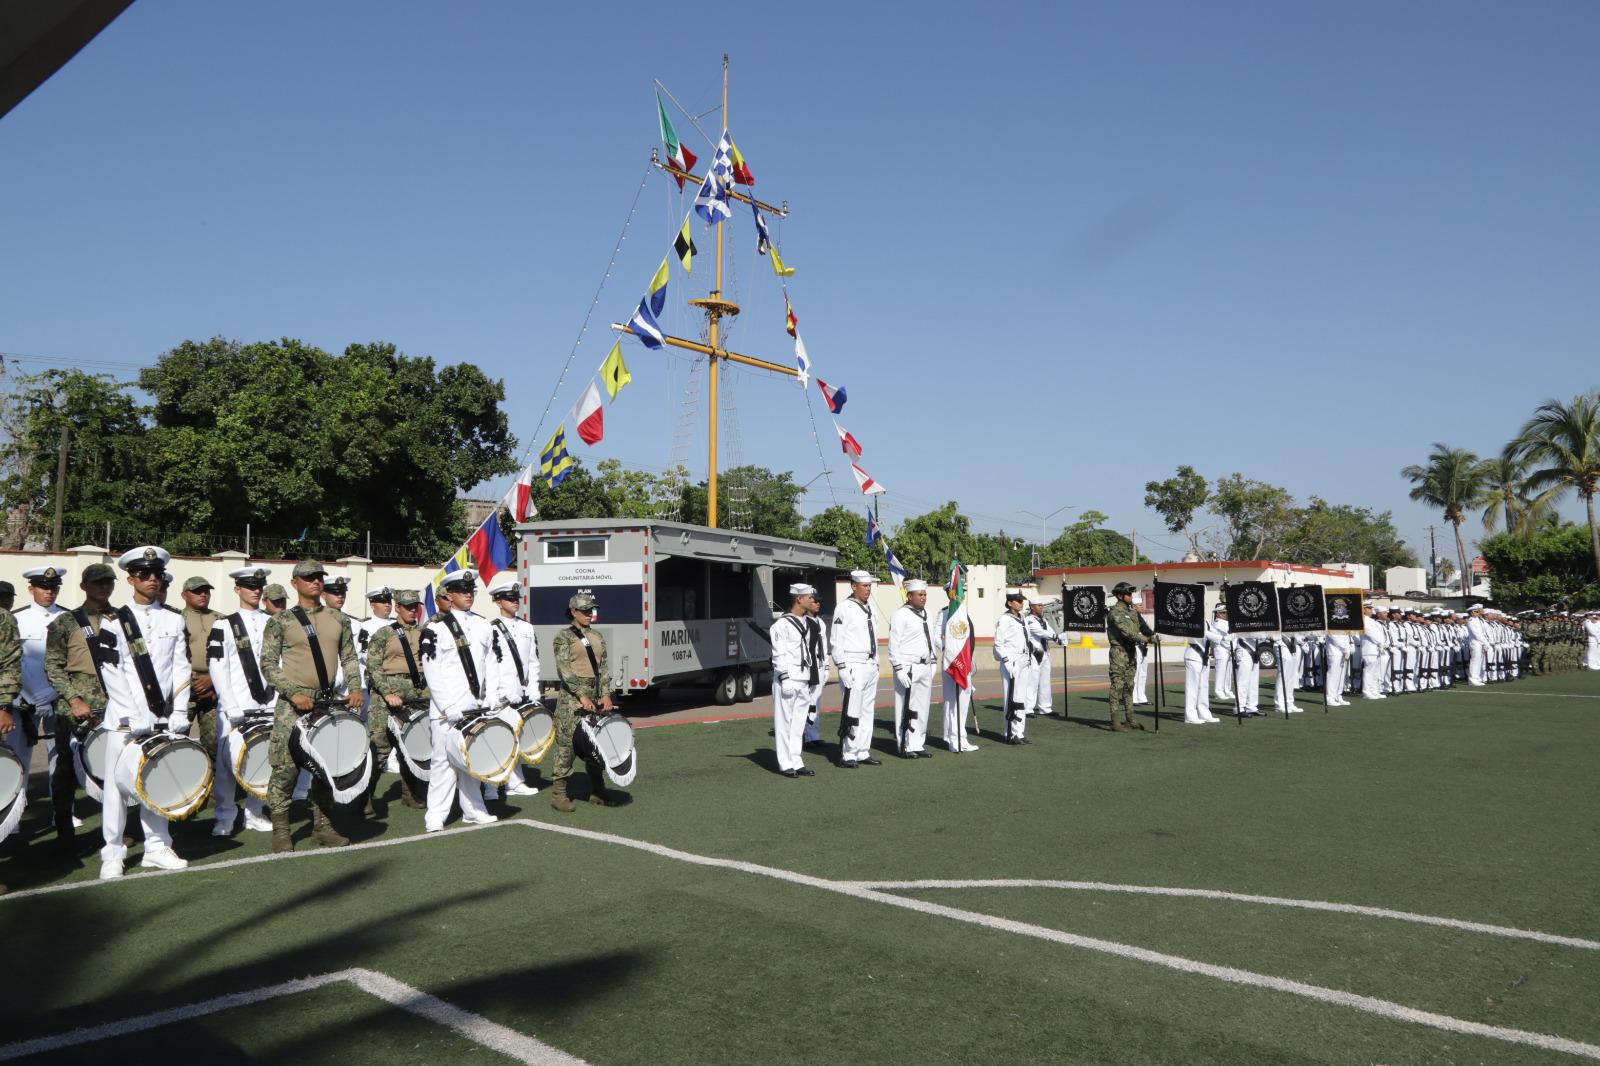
{"points": [[957, 695], [1197, 654], [1016, 661], [914, 646], [1043, 639], [1591, 637], [1221, 653], [1374, 650], [234, 651], [854, 638], [35, 705], [1335, 668], [817, 636], [1288, 678], [519, 668], [459, 650], [795, 671]]}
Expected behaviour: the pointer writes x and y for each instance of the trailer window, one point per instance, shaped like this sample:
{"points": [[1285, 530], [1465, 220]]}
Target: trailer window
{"points": [[575, 548]]}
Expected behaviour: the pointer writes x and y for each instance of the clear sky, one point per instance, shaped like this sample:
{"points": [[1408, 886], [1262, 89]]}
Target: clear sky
{"points": [[1052, 250]]}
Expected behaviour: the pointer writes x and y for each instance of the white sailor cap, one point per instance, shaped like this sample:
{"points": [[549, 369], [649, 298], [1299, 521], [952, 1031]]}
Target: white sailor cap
{"points": [[45, 575], [467, 578], [1475, 607], [861, 577], [251, 577], [800, 588], [916, 584], [504, 584], [144, 557], [381, 592]]}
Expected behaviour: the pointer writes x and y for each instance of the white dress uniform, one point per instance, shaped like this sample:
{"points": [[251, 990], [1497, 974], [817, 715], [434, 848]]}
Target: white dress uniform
{"points": [[957, 697], [795, 671], [363, 631], [237, 685], [855, 650], [1288, 675], [1196, 665], [1335, 668], [451, 697], [1477, 649], [1591, 647], [1248, 671], [519, 685], [1374, 650], [817, 636], [1043, 638], [1221, 658], [130, 717], [1141, 666], [36, 691], [1016, 672], [914, 657]]}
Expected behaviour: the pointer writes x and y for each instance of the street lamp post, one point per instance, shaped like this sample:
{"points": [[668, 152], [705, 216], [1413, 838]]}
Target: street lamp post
{"points": [[1043, 518]]}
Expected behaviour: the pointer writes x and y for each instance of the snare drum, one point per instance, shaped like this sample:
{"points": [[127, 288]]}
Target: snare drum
{"points": [[333, 745], [13, 790], [413, 738], [536, 734], [609, 739], [170, 774], [485, 747], [252, 749], [89, 758]]}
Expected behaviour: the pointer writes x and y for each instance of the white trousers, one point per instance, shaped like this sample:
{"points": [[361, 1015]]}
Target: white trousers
{"points": [[1249, 680], [114, 814], [1408, 662], [447, 783], [1141, 674], [912, 699], [1371, 672], [858, 684], [791, 701], [1591, 655], [1044, 701], [1223, 668], [957, 703], [1334, 664], [1196, 705], [1016, 682], [224, 786], [1288, 677]]}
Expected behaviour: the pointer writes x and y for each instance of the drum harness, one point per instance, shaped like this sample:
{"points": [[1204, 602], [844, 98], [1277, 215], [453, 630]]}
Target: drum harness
{"points": [[143, 666], [247, 658], [325, 696], [516, 656], [101, 651], [459, 635], [411, 660]]}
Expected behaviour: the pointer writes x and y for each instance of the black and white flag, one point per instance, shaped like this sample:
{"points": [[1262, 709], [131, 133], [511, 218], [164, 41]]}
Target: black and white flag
{"points": [[1300, 609], [1343, 607], [1083, 608], [1180, 609], [1252, 607]]}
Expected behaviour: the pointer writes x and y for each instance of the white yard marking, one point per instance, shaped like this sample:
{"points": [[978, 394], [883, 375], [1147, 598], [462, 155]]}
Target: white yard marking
{"points": [[474, 1027], [872, 892]]}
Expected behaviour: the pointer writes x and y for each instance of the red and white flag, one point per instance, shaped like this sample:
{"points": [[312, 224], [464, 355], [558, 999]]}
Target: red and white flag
{"points": [[851, 446], [590, 416], [869, 487], [522, 498]]}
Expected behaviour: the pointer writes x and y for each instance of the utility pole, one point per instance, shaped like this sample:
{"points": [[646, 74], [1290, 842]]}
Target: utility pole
{"points": [[61, 488], [1433, 558], [1134, 537]]}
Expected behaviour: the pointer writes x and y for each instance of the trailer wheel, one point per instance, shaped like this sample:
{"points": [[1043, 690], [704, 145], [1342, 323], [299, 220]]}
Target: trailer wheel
{"points": [[746, 682], [726, 689]]}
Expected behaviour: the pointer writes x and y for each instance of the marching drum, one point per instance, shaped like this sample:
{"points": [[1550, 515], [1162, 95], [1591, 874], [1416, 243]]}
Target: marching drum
{"points": [[536, 734], [252, 748], [170, 774], [89, 758], [608, 738], [13, 790], [333, 745], [486, 747], [413, 738]]}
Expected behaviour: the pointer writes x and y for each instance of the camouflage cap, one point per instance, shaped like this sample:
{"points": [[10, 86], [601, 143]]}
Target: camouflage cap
{"points": [[195, 584], [309, 568], [407, 597], [98, 572], [274, 591], [582, 601]]}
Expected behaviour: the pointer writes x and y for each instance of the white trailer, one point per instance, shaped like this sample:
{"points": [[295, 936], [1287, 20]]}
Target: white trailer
{"points": [[676, 603]]}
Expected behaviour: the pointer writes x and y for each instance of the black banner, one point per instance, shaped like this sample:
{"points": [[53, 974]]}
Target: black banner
{"points": [[1300, 609], [1252, 607], [1180, 609], [1343, 608], [1083, 608]]}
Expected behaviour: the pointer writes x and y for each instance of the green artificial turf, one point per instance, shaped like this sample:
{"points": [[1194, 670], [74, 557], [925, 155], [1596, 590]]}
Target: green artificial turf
{"points": [[1475, 805]]}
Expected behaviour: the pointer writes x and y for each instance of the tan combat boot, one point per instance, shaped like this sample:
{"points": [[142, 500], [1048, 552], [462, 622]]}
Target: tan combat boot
{"points": [[558, 796], [407, 797], [322, 830], [281, 840], [1118, 727]]}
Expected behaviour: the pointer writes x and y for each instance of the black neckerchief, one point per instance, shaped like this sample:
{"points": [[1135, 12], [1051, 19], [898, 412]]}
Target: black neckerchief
{"points": [[141, 662], [808, 657], [405, 648], [317, 661], [453, 624], [247, 659], [516, 656]]}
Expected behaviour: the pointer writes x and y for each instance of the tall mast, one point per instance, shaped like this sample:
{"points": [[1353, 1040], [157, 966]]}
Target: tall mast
{"points": [[711, 389]]}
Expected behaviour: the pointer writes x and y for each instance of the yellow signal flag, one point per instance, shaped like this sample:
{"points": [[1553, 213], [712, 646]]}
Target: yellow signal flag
{"points": [[684, 245], [614, 372], [777, 265]]}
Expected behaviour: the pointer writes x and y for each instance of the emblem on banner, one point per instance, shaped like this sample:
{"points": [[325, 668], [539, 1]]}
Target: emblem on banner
{"points": [[1252, 604], [959, 631], [1181, 603], [1339, 609], [1085, 605], [1299, 602]]}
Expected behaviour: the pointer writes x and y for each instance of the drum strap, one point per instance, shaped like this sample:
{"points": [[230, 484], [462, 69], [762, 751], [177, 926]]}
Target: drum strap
{"points": [[588, 649], [453, 624], [247, 659], [405, 649], [141, 662], [324, 683], [92, 638], [516, 656]]}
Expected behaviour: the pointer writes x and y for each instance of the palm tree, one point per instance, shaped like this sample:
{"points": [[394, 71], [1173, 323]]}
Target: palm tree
{"points": [[1508, 496], [1562, 442], [1454, 481]]}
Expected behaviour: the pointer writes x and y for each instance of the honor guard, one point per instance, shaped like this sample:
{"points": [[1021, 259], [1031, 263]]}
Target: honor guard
{"points": [[34, 709], [795, 673], [1288, 675], [914, 645], [817, 638], [1221, 653], [198, 620], [1247, 675], [854, 639], [459, 653], [1141, 664], [234, 651], [306, 651], [147, 673], [519, 665], [72, 663], [1591, 641], [1011, 651], [1042, 638], [957, 695], [1122, 627], [1336, 651], [393, 670], [1196, 665], [584, 677]]}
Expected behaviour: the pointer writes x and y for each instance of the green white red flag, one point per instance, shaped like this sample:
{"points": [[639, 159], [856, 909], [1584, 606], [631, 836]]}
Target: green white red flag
{"points": [[958, 628]]}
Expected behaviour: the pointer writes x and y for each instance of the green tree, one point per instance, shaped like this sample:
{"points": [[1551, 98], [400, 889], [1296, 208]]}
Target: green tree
{"points": [[1453, 481], [927, 543], [1177, 499], [1324, 532], [1561, 442], [773, 500], [1547, 565], [1256, 516], [1506, 496], [845, 529], [1084, 544]]}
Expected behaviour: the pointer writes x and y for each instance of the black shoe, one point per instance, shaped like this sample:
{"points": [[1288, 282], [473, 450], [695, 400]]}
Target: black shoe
{"points": [[924, 754], [812, 745], [803, 772], [846, 764], [908, 755], [789, 773], [870, 761]]}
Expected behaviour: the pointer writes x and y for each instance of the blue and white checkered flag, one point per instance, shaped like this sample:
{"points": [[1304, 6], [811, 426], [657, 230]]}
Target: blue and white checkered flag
{"points": [[711, 202]]}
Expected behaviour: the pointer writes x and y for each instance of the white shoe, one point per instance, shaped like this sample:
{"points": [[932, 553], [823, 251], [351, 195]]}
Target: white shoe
{"points": [[110, 869], [1210, 719], [165, 859], [393, 765], [487, 819], [432, 828], [1296, 710], [1194, 721], [521, 788], [968, 747], [259, 822]]}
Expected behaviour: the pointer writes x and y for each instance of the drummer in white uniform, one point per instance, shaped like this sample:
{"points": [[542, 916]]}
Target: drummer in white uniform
{"points": [[458, 662], [142, 631], [234, 651], [519, 668]]}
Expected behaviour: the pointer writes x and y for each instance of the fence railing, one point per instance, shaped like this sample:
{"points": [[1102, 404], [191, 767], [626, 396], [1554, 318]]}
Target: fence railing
{"points": [[115, 538]]}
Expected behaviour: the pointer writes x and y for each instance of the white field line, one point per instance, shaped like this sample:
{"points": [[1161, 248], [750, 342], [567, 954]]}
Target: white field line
{"points": [[474, 1027], [1366, 1004], [1474, 691], [1243, 897]]}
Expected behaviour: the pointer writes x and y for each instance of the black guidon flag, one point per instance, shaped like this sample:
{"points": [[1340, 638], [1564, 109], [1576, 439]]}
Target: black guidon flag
{"points": [[1252, 607], [1083, 608], [1180, 609], [1343, 607], [1300, 609]]}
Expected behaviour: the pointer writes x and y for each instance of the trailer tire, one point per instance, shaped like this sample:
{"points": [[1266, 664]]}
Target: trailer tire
{"points": [[745, 680], [725, 690]]}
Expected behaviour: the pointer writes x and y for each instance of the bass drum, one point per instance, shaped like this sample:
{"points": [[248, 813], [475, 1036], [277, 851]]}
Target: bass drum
{"points": [[485, 746], [252, 767], [609, 740], [333, 746], [89, 759], [537, 733], [412, 734], [13, 791], [170, 774]]}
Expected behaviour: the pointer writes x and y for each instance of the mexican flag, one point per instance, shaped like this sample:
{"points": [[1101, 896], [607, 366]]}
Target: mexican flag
{"points": [[958, 628], [677, 154]]}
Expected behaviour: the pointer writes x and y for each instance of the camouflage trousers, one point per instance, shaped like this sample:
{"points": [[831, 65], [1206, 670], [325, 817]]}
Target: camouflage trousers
{"points": [[63, 776], [1121, 671], [378, 731], [567, 711], [204, 713], [280, 788]]}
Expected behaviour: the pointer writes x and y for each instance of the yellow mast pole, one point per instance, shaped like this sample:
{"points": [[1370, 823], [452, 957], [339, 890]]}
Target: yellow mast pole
{"points": [[713, 316]]}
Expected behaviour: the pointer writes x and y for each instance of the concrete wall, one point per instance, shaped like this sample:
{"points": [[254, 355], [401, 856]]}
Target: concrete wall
{"points": [[1399, 580]]}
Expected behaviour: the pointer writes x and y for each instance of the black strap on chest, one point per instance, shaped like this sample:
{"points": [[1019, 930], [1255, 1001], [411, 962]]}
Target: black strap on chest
{"points": [[247, 659], [872, 634], [808, 657], [324, 682], [96, 642], [453, 624], [516, 656], [588, 649], [814, 637], [926, 634], [405, 649], [141, 662]]}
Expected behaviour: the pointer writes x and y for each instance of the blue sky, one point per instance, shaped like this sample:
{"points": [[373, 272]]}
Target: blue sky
{"points": [[1051, 250]]}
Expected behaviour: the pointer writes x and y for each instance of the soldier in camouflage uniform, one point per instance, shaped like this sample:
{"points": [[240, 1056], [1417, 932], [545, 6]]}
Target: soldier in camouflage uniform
{"points": [[10, 677], [198, 618], [70, 666], [1122, 627], [389, 674], [287, 663], [581, 666]]}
